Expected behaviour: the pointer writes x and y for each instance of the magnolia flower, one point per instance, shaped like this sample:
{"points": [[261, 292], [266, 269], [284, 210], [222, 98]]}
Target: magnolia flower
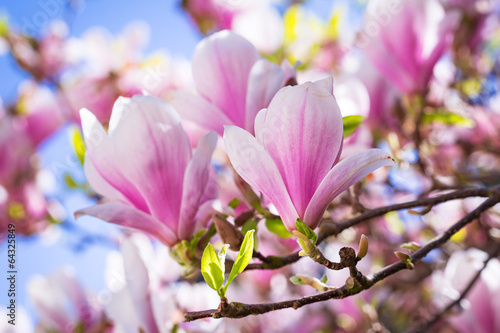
{"points": [[63, 305], [480, 308], [405, 41], [294, 157], [232, 81], [146, 170]]}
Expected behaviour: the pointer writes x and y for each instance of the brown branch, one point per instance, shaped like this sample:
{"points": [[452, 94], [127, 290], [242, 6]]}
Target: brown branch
{"points": [[423, 327], [275, 262], [239, 310]]}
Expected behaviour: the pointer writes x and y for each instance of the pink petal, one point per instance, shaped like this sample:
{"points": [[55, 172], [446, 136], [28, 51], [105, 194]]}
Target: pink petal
{"points": [[302, 132], [153, 151], [257, 168], [221, 66], [129, 217], [101, 153], [198, 110], [264, 82], [341, 177], [196, 180], [138, 286], [100, 185]]}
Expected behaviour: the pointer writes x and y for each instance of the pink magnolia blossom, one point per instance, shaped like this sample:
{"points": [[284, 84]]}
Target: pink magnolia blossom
{"points": [[404, 42], [294, 158], [232, 81], [63, 305], [146, 170]]}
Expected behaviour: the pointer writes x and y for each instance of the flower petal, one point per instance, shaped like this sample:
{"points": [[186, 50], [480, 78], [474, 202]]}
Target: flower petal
{"points": [[138, 285], [221, 66], [119, 213], [153, 151], [196, 180], [198, 110], [302, 132], [266, 78], [341, 177], [101, 153], [257, 168]]}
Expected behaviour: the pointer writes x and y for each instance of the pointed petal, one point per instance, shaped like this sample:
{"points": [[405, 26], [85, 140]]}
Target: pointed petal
{"points": [[129, 217], [266, 78], [138, 286], [198, 110], [101, 153], [346, 173], [196, 180], [221, 66], [100, 185], [257, 168], [303, 134], [153, 151]]}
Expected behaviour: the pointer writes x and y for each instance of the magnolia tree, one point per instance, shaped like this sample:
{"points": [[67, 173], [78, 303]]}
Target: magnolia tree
{"points": [[347, 171]]}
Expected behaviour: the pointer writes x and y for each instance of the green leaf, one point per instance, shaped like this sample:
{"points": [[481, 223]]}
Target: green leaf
{"points": [[243, 259], [78, 144], [308, 232], [234, 203], [324, 279], [446, 117], [296, 280], [4, 26], [211, 268], [277, 227], [351, 123]]}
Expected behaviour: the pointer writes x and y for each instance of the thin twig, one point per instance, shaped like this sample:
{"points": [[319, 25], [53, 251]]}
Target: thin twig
{"points": [[275, 262], [423, 327], [239, 310]]}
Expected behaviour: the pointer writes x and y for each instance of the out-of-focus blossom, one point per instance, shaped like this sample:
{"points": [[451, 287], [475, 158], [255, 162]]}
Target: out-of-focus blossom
{"points": [[106, 67], [43, 58], [258, 20], [482, 304], [149, 298], [382, 97], [40, 110], [404, 42], [293, 159], [232, 81], [146, 170], [21, 201], [64, 306]]}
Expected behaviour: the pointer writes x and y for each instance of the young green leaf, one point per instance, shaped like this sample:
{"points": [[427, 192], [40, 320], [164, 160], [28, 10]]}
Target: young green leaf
{"points": [[234, 203], [243, 258], [297, 280], [351, 123], [277, 227], [308, 232], [78, 144], [211, 268]]}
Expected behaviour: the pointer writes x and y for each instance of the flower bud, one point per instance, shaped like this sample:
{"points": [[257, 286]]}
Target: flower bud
{"points": [[363, 247], [228, 233], [402, 256]]}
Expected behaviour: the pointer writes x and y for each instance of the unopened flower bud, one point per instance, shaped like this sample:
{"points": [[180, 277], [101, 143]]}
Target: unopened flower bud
{"points": [[363, 247], [402, 256], [228, 233], [414, 246]]}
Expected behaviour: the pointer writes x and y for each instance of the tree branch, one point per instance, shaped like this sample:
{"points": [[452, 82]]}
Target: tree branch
{"points": [[275, 262], [423, 327], [240, 310]]}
